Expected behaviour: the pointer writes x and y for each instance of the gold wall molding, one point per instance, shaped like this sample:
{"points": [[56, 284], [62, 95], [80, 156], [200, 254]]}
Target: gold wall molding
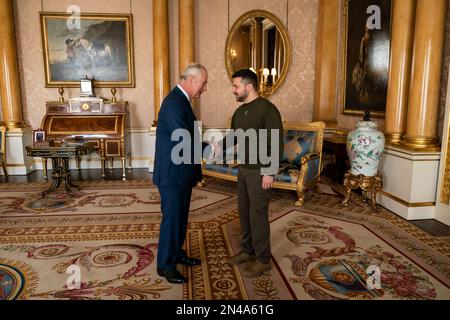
{"points": [[406, 203], [445, 192]]}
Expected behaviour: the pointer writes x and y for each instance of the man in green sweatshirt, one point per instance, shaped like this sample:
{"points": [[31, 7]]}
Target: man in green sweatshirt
{"points": [[258, 164]]}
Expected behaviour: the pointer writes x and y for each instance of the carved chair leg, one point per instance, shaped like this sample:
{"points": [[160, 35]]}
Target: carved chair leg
{"points": [[301, 197]]}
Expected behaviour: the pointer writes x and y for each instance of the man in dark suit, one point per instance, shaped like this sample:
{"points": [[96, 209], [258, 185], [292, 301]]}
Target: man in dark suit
{"points": [[174, 178]]}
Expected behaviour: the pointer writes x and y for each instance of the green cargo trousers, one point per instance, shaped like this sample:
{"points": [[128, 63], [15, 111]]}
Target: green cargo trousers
{"points": [[253, 206]]}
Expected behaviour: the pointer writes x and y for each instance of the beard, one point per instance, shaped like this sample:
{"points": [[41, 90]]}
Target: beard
{"points": [[242, 96]]}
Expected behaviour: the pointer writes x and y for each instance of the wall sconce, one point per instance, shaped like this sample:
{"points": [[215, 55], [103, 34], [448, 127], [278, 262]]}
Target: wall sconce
{"points": [[233, 54]]}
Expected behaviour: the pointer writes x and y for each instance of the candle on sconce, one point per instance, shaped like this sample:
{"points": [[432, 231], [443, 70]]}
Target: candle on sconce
{"points": [[273, 73], [266, 74]]}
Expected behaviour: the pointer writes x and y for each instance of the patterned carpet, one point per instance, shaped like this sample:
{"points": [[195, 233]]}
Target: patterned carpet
{"points": [[107, 236]]}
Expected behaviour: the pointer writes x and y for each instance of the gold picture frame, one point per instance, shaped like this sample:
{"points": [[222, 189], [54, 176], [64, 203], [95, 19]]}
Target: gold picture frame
{"points": [[99, 46], [366, 58]]}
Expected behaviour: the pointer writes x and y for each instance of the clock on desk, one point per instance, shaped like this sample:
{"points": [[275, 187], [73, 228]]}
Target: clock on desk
{"points": [[94, 105], [85, 106]]}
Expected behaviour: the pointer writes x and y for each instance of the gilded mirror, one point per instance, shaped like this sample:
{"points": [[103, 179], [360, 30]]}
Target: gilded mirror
{"points": [[259, 41]]}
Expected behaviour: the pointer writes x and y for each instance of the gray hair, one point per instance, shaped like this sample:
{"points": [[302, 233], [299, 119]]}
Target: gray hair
{"points": [[192, 69]]}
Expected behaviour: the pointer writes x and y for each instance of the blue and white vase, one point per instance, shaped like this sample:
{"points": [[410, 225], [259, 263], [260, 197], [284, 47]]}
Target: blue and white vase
{"points": [[365, 146]]}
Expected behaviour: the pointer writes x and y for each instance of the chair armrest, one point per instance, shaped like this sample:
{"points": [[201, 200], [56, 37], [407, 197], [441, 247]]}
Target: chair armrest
{"points": [[310, 156]]}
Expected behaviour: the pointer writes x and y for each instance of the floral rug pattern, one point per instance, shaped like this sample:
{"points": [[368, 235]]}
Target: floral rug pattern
{"points": [[104, 240]]}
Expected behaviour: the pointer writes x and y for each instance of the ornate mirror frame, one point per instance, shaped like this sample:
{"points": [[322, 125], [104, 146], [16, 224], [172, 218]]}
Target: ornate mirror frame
{"points": [[263, 90]]}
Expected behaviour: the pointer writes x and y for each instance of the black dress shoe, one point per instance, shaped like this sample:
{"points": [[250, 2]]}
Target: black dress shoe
{"points": [[172, 276], [190, 262]]}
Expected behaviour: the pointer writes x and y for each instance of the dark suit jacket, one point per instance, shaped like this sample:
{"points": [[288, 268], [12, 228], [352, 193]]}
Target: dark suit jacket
{"points": [[175, 113]]}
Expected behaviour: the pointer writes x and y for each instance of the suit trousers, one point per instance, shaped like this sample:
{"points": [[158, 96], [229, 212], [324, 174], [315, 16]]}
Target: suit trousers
{"points": [[175, 204], [253, 205]]}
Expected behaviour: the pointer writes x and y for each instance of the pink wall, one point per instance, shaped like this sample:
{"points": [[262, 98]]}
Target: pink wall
{"points": [[295, 97], [29, 46]]}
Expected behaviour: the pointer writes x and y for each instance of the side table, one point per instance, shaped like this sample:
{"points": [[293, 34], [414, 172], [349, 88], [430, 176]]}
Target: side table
{"points": [[60, 156]]}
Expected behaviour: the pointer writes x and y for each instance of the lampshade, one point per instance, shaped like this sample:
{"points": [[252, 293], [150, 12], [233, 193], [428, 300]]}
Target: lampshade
{"points": [[273, 72]]}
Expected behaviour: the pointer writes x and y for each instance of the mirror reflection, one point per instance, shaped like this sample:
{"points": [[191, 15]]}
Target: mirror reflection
{"points": [[259, 41]]}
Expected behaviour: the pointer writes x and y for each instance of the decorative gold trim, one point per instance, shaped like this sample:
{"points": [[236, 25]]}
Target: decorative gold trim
{"points": [[14, 124], [127, 18], [406, 203], [392, 138], [420, 143], [445, 191], [414, 160], [421, 154], [374, 114], [285, 38], [409, 147]]}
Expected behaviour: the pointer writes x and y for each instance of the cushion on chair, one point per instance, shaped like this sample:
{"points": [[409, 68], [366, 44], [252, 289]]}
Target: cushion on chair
{"points": [[288, 176], [223, 168], [296, 145]]}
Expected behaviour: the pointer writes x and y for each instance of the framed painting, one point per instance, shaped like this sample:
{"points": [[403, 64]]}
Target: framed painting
{"points": [[366, 56], [97, 46]]}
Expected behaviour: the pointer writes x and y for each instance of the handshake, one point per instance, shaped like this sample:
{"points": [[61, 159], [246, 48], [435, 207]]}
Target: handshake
{"points": [[215, 153]]}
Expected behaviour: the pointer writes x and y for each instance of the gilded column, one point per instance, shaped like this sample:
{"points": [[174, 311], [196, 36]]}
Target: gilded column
{"points": [[187, 33], [402, 37], [161, 71], [326, 63], [9, 69], [426, 74]]}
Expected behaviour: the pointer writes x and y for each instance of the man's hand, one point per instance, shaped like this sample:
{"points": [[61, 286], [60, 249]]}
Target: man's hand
{"points": [[217, 150], [267, 182]]}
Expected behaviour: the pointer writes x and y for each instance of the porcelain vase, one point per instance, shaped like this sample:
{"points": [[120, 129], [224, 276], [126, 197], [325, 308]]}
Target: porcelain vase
{"points": [[365, 146]]}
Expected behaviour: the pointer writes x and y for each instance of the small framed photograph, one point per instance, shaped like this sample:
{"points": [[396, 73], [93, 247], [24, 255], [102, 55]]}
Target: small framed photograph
{"points": [[38, 135], [86, 88]]}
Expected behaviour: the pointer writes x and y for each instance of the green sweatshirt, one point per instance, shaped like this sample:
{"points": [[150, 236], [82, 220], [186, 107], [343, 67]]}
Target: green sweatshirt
{"points": [[258, 114]]}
